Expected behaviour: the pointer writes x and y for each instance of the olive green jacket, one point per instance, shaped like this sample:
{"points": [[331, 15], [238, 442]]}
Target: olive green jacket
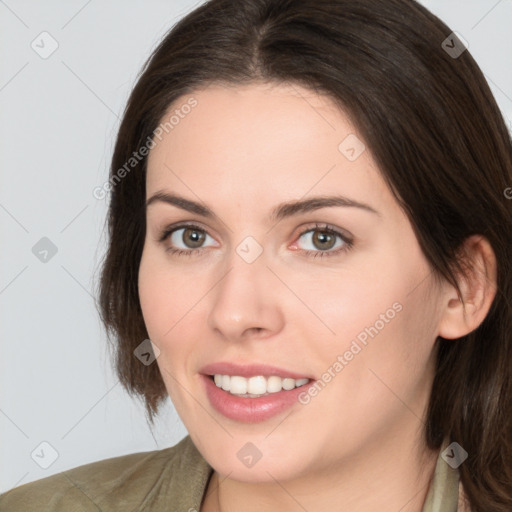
{"points": [[172, 480]]}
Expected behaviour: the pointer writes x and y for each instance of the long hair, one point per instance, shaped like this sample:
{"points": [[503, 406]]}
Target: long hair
{"points": [[426, 113]]}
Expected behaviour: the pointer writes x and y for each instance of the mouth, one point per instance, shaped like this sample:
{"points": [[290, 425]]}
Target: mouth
{"points": [[253, 392], [254, 398], [257, 385]]}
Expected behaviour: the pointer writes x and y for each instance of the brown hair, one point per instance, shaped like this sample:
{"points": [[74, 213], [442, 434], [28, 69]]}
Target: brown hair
{"points": [[432, 126]]}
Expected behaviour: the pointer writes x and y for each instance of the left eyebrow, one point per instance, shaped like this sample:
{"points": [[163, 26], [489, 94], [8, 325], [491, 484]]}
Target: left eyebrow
{"points": [[315, 203], [280, 212]]}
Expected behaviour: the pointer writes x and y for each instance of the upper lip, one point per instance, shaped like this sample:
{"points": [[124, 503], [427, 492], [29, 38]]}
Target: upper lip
{"points": [[249, 370]]}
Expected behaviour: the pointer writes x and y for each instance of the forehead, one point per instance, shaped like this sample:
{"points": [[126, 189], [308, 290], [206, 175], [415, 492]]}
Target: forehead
{"points": [[246, 118], [281, 139]]}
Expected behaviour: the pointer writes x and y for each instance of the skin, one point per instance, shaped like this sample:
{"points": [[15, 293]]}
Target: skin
{"points": [[242, 151]]}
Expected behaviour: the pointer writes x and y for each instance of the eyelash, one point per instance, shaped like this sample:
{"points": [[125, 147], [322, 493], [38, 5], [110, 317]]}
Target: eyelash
{"points": [[324, 228]]}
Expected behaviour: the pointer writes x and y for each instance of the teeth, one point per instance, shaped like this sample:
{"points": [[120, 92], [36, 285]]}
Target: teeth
{"points": [[256, 386]]}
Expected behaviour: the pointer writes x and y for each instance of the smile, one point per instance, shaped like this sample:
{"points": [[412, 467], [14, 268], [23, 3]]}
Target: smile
{"points": [[256, 386]]}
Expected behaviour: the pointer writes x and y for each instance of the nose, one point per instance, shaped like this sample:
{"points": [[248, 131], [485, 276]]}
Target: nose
{"points": [[246, 302]]}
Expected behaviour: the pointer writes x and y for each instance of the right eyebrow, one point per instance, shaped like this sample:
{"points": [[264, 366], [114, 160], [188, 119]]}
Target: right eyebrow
{"points": [[181, 202]]}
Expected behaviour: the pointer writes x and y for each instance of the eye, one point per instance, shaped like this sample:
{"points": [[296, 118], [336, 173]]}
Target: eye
{"points": [[323, 241], [187, 239]]}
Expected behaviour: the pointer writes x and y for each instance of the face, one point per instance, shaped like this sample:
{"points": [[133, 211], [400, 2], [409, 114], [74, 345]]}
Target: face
{"points": [[337, 293]]}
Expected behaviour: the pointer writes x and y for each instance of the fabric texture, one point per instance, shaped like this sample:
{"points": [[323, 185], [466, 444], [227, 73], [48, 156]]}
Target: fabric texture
{"points": [[170, 480], [445, 493]]}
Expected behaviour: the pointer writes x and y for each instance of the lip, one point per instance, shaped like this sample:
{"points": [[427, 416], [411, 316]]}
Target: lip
{"points": [[251, 410], [250, 370]]}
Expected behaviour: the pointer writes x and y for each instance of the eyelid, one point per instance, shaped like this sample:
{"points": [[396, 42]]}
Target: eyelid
{"points": [[323, 226], [167, 230]]}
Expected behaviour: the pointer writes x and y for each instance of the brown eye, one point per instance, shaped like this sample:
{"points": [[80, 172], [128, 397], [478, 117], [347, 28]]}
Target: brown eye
{"points": [[187, 238], [193, 238], [323, 240]]}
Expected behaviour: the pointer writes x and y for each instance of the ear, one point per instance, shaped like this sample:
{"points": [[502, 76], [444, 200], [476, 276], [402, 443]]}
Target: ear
{"points": [[478, 289]]}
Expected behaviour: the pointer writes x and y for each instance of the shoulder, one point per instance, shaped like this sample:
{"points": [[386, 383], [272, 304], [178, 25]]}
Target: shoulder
{"points": [[124, 482]]}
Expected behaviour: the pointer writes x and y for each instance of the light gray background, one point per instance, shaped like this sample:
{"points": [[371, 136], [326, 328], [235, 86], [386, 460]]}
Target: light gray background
{"points": [[58, 121]]}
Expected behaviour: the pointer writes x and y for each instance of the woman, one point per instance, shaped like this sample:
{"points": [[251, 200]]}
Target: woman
{"points": [[309, 220]]}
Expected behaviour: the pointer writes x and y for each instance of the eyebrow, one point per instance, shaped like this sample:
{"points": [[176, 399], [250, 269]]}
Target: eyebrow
{"points": [[280, 212]]}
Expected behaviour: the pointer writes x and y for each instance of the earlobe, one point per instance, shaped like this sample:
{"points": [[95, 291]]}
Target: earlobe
{"points": [[478, 289]]}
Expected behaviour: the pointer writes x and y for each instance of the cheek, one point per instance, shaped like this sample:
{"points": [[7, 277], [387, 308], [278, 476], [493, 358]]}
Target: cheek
{"points": [[351, 299], [166, 308], [383, 320], [167, 296], [152, 295]]}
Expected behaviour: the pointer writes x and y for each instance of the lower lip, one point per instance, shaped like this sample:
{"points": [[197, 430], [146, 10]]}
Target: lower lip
{"points": [[251, 410]]}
